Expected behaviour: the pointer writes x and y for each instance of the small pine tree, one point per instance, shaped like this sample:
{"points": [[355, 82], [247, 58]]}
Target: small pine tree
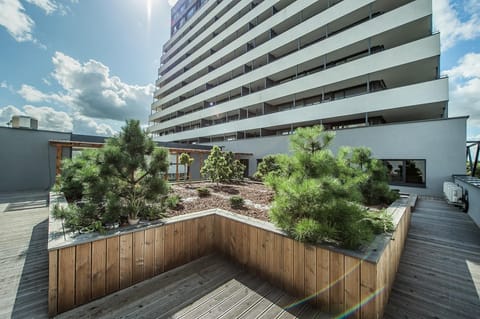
{"points": [[269, 164], [186, 160], [135, 168], [317, 195], [216, 166]]}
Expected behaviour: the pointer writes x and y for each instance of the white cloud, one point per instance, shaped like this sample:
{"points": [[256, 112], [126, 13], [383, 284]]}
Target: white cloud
{"points": [[46, 5], [90, 90], [54, 120], [15, 20], [465, 88], [455, 25], [50, 119], [83, 124], [6, 114]]}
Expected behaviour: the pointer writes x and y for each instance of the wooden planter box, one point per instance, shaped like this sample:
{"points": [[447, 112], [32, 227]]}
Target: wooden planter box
{"points": [[338, 281]]}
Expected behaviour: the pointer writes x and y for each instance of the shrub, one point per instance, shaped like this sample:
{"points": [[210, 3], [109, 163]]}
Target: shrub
{"points": [[222, 167], [318, 196], [173, 201], [269, 164], [236, 201], [203, 192], [123, 178], [216, 166], [186, 160]]}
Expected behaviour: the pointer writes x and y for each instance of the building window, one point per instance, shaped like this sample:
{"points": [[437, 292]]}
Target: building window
{"points": [[406, 172]]}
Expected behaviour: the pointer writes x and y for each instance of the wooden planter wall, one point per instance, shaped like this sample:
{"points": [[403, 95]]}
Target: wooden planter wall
{"points": [[329, 279], [332, 281], [81, 273]]}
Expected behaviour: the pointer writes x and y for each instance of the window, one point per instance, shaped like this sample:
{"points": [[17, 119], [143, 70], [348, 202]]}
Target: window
{"points": [[406, 172], [191, 12]]}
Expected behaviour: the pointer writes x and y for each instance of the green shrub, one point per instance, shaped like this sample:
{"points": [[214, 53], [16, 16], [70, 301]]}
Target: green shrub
{"points": [[236, 201], [203, 192], [222, 167], [318, 195], [123, 178], [269, 165], [173, 201]]}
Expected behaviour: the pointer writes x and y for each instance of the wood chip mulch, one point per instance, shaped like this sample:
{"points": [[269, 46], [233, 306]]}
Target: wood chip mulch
{"points": [[257, 198]]}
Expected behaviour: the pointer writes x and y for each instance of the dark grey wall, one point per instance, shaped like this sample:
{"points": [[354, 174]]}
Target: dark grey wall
{"points": [[27, 161]]}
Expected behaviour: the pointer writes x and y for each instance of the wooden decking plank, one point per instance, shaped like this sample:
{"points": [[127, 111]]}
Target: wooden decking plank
{"points": [[251, 299], [212, 300], [184, 295], [110, 304], [218, 309], [264, 302], [434, 279]]}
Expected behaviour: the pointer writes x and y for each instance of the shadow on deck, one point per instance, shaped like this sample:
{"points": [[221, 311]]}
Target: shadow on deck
{"points": [[24, 257], [439, 273], [210, 287]]}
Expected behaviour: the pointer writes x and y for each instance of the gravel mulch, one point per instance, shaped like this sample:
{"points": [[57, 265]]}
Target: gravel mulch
{"points": [[257, 198]]}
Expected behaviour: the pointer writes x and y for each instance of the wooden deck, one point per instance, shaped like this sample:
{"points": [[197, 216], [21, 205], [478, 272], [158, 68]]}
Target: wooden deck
{"points": [[23, 256], [439, 274], [209, 287]]}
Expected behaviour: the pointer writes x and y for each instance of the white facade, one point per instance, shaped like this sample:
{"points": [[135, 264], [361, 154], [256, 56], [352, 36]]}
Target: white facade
{"points": [[241, 70]]}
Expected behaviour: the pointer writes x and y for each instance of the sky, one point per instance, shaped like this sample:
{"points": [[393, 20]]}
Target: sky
{"points": [[88, 65]]}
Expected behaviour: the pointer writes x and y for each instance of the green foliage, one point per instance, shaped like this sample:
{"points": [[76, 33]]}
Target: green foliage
{"points": [[123, 178], [270, 164], [222, 167], [173, 201], [135, 168], [374, 183], [317, 195], [186, 160], [380, 221], [236, 201], [216, 166], [77, 177], [469, 170], [203, 192]]}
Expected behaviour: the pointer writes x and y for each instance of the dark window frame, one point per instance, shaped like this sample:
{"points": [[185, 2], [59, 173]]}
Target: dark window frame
{"points": [[404, 172]]}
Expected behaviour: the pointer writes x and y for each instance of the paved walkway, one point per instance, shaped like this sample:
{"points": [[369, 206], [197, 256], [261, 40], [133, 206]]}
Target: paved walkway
{"points": [[23, 255], [439, 273]]}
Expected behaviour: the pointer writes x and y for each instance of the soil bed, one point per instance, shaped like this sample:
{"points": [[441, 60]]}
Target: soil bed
{"points": [[257, 197]]}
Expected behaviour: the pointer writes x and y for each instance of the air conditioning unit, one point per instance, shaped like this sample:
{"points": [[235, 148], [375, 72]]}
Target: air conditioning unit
{"points": [[23, 121], [453, 193]]}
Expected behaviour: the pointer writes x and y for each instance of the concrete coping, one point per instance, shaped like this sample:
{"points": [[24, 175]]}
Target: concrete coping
{"points": [[474, 181], [371, 253]]}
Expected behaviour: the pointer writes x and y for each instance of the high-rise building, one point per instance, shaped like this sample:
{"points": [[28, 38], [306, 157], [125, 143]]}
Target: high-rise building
{"points": [[244, 74]]}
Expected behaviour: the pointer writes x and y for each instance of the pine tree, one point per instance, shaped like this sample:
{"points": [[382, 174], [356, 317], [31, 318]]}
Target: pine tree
{"points": [[135, 168], [216, 166], [186, 160]]}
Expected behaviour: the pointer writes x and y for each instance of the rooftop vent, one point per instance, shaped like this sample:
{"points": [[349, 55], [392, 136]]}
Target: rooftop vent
{"points": [[22, 121]]}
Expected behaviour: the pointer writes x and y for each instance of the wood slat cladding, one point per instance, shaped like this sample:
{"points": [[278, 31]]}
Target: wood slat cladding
{"points": [[326, 277]]}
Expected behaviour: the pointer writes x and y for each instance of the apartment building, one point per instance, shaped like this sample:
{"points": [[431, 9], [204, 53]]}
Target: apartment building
{"points": [[245, 74]]}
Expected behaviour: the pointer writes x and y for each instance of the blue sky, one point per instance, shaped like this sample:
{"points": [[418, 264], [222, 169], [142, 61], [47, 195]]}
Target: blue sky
{"points": [[87, 65]]}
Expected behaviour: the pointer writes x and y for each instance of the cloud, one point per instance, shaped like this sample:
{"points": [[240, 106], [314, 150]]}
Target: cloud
{"points": [[16, 21], [6, 114], [54, 120], [465, 88], [90, 90], [31, 94], [46, 5], [50, 119], [171, 3], [456, 21]]}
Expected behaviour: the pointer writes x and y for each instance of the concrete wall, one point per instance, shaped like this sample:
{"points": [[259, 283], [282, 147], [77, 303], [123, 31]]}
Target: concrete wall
{"points": [[440, 142], [472, 185], [27, 161]]}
